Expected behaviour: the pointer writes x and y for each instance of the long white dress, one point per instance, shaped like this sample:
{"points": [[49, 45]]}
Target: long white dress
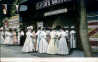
{"points": [[63, 47], [28, 45], [43, 45], [52, 47], [38, 39], [72, 39], [8, 38], [1, 37]]}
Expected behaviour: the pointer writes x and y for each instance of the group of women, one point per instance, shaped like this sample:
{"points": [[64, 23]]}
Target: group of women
{"points": [[8, 37], [49, 41]]}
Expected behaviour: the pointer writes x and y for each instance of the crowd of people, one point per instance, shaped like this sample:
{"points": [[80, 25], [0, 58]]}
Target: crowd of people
{"points": [[9, 36], [44, 40]]}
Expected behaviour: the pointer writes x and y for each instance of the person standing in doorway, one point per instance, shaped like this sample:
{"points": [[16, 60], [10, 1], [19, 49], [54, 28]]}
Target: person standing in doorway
{"points": [[72, 38]]}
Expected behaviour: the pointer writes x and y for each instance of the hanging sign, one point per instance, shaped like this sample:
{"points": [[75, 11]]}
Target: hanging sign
{"points": [[47, 3], [14, 22], [55, 12], [23, 8], [93, 34], [93, 30]]}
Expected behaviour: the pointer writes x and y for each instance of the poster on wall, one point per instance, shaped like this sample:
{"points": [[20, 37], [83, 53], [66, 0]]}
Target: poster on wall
{"points": [[13, 22], [93, 34]]}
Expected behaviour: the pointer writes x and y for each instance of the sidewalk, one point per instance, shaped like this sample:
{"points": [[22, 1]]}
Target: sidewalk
{"points": [[15, 51]]}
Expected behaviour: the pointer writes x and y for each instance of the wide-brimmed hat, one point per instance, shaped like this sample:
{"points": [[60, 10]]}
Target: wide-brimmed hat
{"points": [[28, 28], [66, 30], [31, 27], [72, 26]]}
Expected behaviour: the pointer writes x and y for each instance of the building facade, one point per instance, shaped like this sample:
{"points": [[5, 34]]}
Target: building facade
{"points": [[53, 13]]}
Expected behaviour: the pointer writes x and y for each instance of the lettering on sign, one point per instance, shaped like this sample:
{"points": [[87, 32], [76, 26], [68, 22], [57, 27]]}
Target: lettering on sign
{"points": [[14, 22], [47, 3]]}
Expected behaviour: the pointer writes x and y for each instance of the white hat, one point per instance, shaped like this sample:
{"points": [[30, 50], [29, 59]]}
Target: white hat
{"points": [[66, 31], [31, 27], [66, 27], [72, 26], [28, 27]]}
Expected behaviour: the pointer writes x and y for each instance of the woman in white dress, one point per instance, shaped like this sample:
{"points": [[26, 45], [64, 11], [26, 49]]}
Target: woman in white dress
{"points": [[1, 36], [8, 37], [28, 45], [52, 47], [72, 38], [38, 39], [43, 45], [63, 47]]}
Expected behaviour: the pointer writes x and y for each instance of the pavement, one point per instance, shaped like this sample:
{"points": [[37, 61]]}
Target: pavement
{"points": [[15, 51]]}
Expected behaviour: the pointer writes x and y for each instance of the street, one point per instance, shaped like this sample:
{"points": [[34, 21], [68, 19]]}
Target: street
{"points": [[15, 51]]}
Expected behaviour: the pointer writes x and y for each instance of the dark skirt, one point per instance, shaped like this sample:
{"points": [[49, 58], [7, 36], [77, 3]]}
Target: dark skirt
{"points": [[22, 40]]}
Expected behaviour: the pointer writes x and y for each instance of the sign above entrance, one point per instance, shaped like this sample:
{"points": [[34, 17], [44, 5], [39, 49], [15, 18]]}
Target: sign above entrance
{"points": [[55, 12], [23, 8], [47, 3]]}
